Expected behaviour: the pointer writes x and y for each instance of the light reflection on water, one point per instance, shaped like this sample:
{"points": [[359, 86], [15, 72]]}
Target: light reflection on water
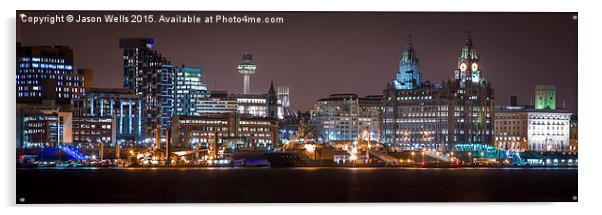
{"points": [[352, 169], [300, 184]]}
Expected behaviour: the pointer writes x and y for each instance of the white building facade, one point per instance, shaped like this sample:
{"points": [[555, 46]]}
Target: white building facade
{"points": [[548, 131], [522, 129]]}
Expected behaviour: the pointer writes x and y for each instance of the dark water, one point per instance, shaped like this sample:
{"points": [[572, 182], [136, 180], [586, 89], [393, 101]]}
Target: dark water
{"points": [[294, 185]]}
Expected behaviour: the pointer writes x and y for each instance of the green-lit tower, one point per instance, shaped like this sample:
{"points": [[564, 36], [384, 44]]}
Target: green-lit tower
{"points": [[545, 97]]}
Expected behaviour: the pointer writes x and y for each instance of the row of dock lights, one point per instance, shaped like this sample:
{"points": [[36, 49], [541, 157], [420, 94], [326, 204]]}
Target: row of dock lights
{"points": [[216, 162]]}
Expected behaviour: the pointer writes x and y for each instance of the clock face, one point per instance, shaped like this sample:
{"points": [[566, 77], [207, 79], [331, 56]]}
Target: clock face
{"points": [[463, 67], [475, 66]]}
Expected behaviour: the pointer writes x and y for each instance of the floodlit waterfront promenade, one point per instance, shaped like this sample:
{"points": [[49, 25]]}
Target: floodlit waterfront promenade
{"points": [[308, 156]]}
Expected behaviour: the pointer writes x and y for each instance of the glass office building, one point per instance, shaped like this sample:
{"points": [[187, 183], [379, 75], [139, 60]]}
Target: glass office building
{"points": [[189, 91]]}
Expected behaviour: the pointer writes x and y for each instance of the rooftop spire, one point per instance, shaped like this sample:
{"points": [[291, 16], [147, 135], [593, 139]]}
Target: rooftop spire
{"points": [[468, 40], [409, 76], [468, 52], [409, 54]]}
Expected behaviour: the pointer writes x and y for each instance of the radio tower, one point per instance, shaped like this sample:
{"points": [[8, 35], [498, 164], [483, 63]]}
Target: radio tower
{"points": [[247, 68]]}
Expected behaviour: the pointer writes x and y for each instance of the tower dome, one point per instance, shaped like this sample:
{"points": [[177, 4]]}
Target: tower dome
{"points": [[408, 76]]}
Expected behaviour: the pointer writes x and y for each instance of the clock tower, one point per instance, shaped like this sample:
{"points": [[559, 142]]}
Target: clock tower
{"points": [[468, 63]]}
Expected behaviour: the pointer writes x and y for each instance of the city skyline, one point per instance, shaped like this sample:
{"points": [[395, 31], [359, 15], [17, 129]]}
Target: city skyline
{"points": [[406, 96], [529, 48]]}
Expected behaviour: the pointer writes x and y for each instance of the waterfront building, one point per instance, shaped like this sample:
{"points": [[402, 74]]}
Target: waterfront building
{"points": [[520, 128], [218, 102], [529, 129], [256, 105], [90, 131], [440, 116], [189, 91], [287, 127], [341, 117], [228, 130], [511, 128], [549, 131], [120, 103], [149, 75], [48, 126], [574, 134], [247, 68], [46, 73], [264, 105]]}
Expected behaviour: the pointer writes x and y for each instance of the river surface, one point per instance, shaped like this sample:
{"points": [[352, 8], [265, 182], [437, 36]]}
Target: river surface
{"points": [[276, 185]]}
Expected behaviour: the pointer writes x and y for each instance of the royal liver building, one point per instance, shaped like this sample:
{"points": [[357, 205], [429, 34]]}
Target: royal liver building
{"points": [[459, 110]]}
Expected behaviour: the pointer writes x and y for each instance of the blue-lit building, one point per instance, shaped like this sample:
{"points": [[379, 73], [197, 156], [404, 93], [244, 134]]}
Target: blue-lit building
{"points": [[460, 110], [165, 96], [122, 104], [408, 76], [46, 73], [189, 91]]}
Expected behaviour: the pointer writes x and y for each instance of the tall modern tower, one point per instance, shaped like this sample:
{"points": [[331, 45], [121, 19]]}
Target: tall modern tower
{"points": [[247, 68], [409, 76], [149, 75]]}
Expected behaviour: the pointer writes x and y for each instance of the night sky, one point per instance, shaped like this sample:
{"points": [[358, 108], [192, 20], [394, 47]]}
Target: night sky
{"points": [[318, 54]]}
